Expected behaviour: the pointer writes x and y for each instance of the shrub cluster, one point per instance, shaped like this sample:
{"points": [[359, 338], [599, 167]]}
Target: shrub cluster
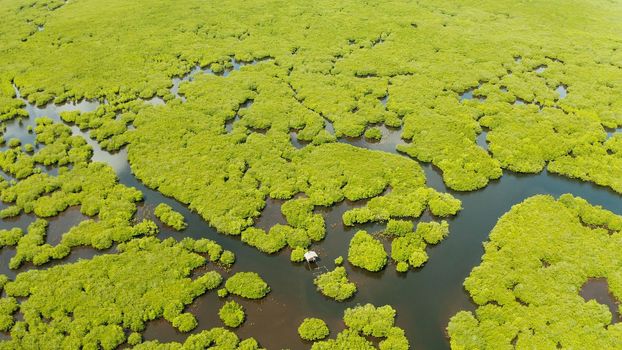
{"points": [[91, 303], [335, 284], [215, 338], [313, 329], [169, 216], [367, 321], [529, 280], [248, 285], [367, 252], [232, 314]]}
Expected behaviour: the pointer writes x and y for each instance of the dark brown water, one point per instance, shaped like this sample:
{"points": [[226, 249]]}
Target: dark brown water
{"points": [[425, 298], [598, 289]]}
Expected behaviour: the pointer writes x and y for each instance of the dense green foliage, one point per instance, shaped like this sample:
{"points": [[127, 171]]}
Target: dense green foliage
{"points": [[374, 134], [527, 286], [399, 228], [313, 329], [215, 338], [367, 321], [326, 62], [170, 217], [93, 302], [227, 176], [59, 148], [409, 248], [367, 252], [324, 71], [338, 260], [248, 285], [232, 314], [93, 187], [96, 303], [227, 258], [433, 232], [335, 284]]}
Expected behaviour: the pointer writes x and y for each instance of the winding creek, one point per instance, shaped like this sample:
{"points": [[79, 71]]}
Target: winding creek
{"points": [[425, 298]]}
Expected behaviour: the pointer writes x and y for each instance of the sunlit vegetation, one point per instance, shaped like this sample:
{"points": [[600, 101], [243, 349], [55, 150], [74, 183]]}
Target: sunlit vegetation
{"points": [[94, 302], [169, 216], [443, 72], [267, 242], [399, 228], [335, 284], [313, 329], [367, 252], [227, 176], [60, 149], [232, 314], [373, 134], [134, 338], [408, 249], [297, 255], [10, 237], [215, 338], [527, 286], [367, 321], [338, 260], [93, 187], [240, 175], [424, 63], [227, 258], [412, 205], [247, 285]]}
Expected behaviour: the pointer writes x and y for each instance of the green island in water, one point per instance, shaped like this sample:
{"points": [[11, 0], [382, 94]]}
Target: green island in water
{"points": [[325, 175]]}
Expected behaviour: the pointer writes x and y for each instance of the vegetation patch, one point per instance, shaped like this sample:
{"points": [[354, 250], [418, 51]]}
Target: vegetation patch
{"points": [[367, 252], [170, 217], [216, 338], [367, 321], [313, 329], [527, 287], [94, 302], [373, 134], [335, 284], [248, 285], [232, 314]]}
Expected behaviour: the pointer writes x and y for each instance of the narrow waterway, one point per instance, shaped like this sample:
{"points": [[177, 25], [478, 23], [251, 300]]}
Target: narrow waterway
{"points": [[425, 298]]}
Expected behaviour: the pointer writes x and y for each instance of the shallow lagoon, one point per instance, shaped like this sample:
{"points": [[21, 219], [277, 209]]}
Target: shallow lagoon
{"points": [[425, 298]]}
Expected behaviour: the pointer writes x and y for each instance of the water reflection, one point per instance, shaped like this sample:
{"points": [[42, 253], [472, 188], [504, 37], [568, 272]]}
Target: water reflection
{"points": [[58, 225], [19, 129], [235, 66], [481, 140], [468, 95], [598, 289], [391, 137], [384, 100], [562, 91], [293, 136], [541, 68], [611, 132], [271, 215], [155, 101]]}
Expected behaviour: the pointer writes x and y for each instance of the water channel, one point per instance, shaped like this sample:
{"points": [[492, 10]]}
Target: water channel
{"points": [[425, 298]]}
